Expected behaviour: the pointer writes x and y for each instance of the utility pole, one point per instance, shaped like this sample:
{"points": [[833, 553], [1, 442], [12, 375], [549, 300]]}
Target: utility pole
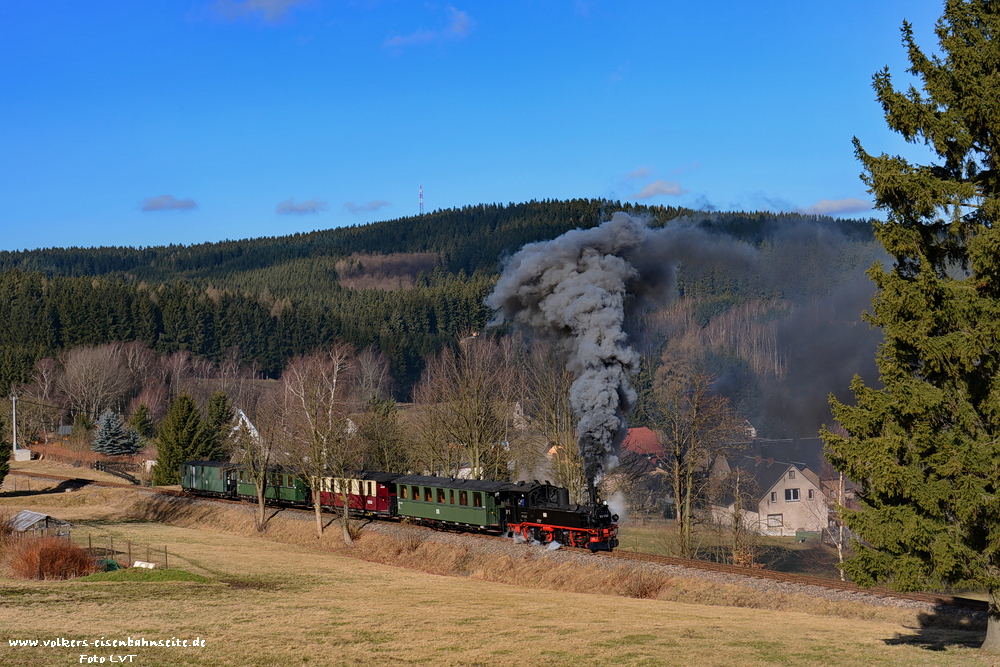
{"points": [[13, 403]]}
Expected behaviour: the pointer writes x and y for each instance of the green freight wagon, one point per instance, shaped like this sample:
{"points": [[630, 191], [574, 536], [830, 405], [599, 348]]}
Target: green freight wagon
{"points": [[443, 502], [209, 478]]}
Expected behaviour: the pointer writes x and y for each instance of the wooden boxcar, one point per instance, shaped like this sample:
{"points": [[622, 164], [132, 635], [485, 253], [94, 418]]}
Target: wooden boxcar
{"points": [[368, 493], [209, 478], [443, 502]]}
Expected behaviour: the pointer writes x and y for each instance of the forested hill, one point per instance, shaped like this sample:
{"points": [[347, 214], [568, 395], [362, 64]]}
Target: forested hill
{"points": [[471, 239], [272, 298]]}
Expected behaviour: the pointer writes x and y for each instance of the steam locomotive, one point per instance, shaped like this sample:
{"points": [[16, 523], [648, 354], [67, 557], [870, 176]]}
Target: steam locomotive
{"points": [[531, 510]]}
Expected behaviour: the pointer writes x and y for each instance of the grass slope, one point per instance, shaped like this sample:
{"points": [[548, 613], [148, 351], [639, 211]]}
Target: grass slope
{"points": [[265, 603]]}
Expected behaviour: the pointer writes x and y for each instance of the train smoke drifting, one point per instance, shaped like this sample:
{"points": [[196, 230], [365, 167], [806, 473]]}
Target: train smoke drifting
{"points": [[576, 290]]}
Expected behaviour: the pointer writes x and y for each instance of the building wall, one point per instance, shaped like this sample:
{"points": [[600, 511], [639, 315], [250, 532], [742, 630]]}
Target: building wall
{"points": [[787, 506]]}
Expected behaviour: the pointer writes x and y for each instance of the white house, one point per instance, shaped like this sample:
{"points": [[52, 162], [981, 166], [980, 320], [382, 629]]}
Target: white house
{"points": [[785, 497]]}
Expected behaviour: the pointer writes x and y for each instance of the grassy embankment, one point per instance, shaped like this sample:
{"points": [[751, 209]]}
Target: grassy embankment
{"points": [[281, 601]]}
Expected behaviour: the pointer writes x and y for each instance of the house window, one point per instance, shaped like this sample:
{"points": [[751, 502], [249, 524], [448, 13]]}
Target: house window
{"points": [[791, 474], [774, 496], [811, 494], [791, 495], [774, 521]]}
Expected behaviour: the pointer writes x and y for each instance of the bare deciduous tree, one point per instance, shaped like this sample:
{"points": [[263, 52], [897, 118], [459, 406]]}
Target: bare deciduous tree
{"points": [[177, 368], [693, 425], [45, 379], [253, 445], [384, 440], [373, 377], [469, 400], [318, 389], [552, 416], [94, 379]]}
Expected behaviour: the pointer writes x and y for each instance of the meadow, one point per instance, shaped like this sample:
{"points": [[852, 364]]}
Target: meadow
{"points": [[285, 598]]}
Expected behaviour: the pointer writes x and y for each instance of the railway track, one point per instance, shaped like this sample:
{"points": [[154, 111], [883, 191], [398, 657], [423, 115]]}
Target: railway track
{"points": [[759, 573]]}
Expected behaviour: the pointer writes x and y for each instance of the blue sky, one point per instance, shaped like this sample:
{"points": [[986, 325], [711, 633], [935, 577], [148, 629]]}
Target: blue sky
{"points": [[148, 123]]}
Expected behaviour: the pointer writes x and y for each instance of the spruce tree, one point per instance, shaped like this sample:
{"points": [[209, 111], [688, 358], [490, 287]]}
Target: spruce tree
{"points": [[925, 448], [218, 421], [141, 422], [182, 435], [115, 437]]}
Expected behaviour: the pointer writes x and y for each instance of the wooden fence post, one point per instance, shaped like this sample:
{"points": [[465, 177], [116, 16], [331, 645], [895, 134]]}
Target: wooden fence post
{"points": [[165, 566]]}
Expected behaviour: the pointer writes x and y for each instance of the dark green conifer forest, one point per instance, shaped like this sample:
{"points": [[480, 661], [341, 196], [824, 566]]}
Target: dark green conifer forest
{"points": [[409, 287]]}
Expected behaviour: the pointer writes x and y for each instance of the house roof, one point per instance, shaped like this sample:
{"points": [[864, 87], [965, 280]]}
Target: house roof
{"points": [[641, 440], [804, 451], [762, 473], [25, 519]]}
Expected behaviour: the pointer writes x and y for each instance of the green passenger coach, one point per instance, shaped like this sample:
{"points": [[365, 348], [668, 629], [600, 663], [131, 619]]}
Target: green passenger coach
{"points": [[282, 486], [466, 503]]}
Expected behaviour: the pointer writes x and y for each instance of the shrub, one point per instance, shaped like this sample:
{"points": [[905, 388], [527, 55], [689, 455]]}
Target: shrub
{"points": [[47, 558]]}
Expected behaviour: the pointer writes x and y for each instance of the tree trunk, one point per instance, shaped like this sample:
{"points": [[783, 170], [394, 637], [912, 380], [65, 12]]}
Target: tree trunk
{"points": [[992, 642], [319, 513], [347, 513], [261, 507]]}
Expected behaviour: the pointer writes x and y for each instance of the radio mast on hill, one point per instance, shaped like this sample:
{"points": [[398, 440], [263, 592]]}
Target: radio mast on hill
{"points": [[421, 200]]}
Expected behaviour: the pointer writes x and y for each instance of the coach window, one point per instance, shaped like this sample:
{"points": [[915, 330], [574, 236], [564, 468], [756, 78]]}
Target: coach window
{"points": [[451, 496], [440, 495], [402, 491], [428, 494], [415, 495], [463, 498], [477, 499]]}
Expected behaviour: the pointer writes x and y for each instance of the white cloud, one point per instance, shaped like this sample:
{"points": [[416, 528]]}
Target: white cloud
{"points": [[640, 172], [271, 10], [836, 206], [461, 25], [167, 203], [365, 208], [289, 207], [658, 188]]}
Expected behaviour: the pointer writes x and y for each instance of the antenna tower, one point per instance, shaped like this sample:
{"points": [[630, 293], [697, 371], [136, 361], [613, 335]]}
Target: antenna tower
{"points": [[421, 200]]}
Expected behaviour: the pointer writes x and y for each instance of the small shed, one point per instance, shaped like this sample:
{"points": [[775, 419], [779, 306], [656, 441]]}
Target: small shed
{"points": [[37, 523]]}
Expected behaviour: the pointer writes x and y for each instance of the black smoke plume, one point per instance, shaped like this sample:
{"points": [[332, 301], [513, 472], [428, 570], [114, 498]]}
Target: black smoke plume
{"points": [[578, 289]]}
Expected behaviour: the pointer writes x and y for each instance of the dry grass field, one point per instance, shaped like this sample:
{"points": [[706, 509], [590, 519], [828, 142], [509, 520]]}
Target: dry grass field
{"points": [[273, 603]]}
